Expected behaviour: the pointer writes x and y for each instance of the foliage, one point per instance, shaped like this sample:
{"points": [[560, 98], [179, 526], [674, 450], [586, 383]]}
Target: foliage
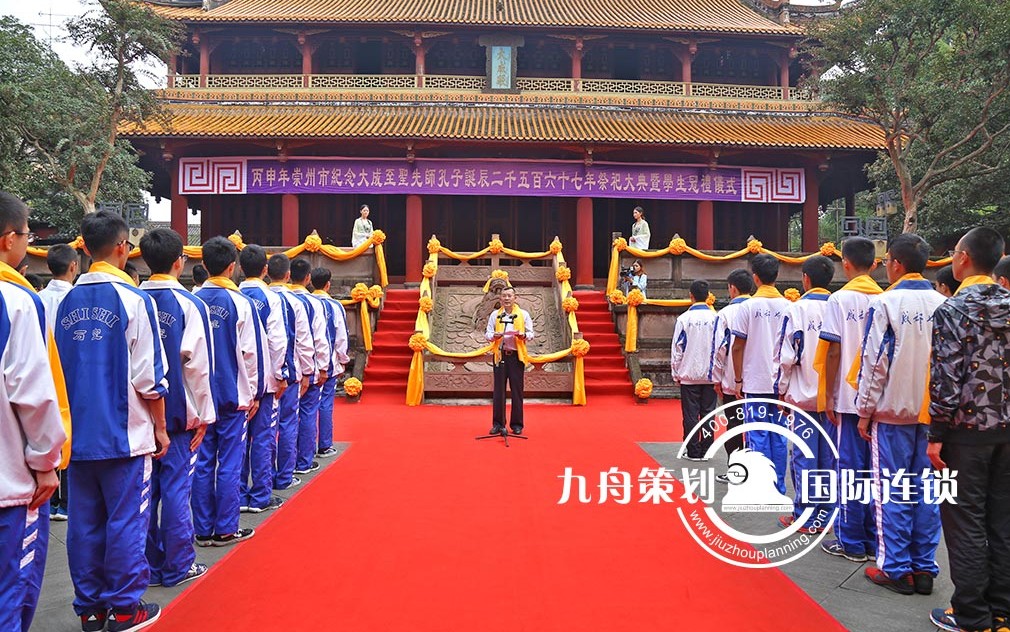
{"points": [[934, 75], [59, 144]]}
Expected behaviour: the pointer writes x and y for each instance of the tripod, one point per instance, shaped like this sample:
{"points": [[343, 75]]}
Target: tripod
{"points": [[504, 434]]}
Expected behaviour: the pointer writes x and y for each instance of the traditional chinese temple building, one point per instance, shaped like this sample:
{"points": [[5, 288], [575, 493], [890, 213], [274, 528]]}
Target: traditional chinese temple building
{"points": [[525, 118]]}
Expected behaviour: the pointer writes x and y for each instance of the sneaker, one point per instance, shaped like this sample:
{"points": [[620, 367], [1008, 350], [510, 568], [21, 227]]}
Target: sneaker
{"points": [[944, 619], [204, 540], [835, 548], [787, 521], [311, 468], [58, 514], [246, 509], [145, 615], [273, 503], [196, 570], [94, 621], [295, 482], [903, 585], [232, 538], [328, 452], [694, 458], [923, 582], [722, 478], [153, 583]]}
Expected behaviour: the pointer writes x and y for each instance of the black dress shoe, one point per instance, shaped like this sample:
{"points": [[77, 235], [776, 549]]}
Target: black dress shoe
{"points": [[496, 430], [517, 431]]}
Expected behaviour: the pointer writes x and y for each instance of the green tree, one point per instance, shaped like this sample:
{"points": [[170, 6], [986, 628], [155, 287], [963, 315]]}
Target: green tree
{"points": [[934, 75], [62, 125]]}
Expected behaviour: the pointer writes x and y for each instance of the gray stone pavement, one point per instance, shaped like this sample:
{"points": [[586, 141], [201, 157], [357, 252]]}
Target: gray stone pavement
{"points": [[837, 584], [55, 613]]}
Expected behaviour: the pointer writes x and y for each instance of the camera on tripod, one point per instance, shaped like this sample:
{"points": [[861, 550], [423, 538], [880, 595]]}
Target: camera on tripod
{"points": [[627, 272]]}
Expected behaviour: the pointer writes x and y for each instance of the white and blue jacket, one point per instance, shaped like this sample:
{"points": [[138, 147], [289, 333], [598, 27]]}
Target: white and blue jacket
{"points": [[31, 429], [272, 313], [235, 327], [301, 351], [185, 332], [317, 325], [797, 380], [110, 347], [336, 329], [691, 351]]}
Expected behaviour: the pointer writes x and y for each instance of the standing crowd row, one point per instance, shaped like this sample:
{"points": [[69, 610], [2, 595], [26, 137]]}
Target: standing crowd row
{"points": [[166, 412], [902, 381]]}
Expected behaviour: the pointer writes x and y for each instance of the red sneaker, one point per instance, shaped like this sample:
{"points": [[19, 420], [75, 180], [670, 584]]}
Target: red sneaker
{"points": [[144, 615], [787, 521], [902, 585]]}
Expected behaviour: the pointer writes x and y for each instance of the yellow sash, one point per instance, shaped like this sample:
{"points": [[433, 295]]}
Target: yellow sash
{"points": [[224, 282], [977, 279], [519, 324], [768, 291], [162, 277], [11, 275], [108, 268]]}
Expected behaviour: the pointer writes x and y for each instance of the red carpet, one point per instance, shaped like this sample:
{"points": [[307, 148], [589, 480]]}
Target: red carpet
{"points": [[606, 373], [418, 527]]}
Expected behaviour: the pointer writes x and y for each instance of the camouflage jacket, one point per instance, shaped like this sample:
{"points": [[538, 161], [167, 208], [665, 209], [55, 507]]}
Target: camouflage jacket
{"points": [[969, 384]]}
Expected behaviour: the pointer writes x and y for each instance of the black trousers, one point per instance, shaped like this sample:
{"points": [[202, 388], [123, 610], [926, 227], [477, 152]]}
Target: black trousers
{"points": [[696, 401], [59, 498], [510, 370], [734, 418], [977, 532]]}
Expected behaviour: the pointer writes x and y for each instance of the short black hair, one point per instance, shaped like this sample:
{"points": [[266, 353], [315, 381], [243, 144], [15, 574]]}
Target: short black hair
{"points": [[200, 274], [820, 269], [36, 281], [699, 291], [741, 280], [160, 248], [911, 251], [766, 267], [985, 247], [946, 277], [13, 212], [277, 266], [1002, 268], [252, 260], [300, 270], [59, 259], [218, 254], [102, 231], [320, 277], [859, 251]]}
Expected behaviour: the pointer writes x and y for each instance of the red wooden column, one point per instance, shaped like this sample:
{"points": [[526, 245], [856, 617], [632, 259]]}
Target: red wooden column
{"points": [[419, 49], [204, 62], [706, 225], [577, 64], [414, 239], [784, 74], [180, 206], [584, 242], [810, 219], [306, 59], [289, 220]]}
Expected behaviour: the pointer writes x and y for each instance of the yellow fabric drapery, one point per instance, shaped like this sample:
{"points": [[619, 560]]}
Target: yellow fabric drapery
{"points": [[312, 243], [678, 246], [365, 297], [617, 297]]}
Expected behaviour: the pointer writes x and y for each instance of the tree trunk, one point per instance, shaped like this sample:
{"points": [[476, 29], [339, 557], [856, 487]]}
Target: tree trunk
{"points": [[89, 206], [911, 204]]}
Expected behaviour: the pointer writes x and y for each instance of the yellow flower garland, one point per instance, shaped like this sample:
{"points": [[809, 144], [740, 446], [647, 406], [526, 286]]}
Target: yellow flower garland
{"points": [[643, 388], [353, 387]]}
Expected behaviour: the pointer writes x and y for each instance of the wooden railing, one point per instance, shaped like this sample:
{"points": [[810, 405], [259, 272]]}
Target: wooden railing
{"points": [[477, 83]]}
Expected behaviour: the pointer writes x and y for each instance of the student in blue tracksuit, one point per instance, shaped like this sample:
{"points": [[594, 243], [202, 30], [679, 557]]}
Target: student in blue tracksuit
{"points": [[31, 434], [114, 363], [261, 444], [189, 407], [336, 331], [236, 381], [308, 404], [301, 356]]}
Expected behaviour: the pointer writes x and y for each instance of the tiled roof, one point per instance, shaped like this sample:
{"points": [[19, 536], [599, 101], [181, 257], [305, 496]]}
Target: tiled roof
{"points": [[517, 124], [720, 16]]}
